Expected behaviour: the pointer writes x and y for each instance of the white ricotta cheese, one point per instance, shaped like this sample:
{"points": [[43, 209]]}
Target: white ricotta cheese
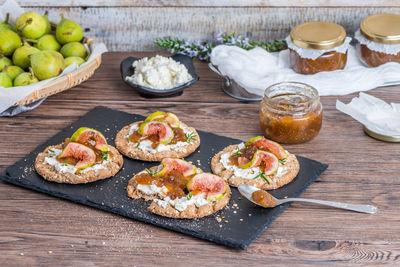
{"points": [[182, 203], [159, 73], [60, 167], [152, 189]]}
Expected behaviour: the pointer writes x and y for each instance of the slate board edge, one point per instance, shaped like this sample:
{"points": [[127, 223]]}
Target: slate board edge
{"points": [[19, 182]]}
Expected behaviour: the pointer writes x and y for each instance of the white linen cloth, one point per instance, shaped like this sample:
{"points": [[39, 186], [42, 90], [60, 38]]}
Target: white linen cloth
{"points": [[374, 113], [257, 69], [10, 96]]}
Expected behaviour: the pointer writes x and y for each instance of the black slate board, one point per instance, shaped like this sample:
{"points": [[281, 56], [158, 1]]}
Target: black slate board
{"points": [[110, 195]]}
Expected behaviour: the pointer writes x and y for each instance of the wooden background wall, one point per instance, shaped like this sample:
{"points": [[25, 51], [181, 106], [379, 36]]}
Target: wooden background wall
{"points": [[133, 25]]}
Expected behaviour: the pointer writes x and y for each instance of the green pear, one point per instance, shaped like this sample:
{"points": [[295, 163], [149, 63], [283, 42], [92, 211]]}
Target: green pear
{"points": [[25, 78], [68, 31], [71, 60], [4, 61], [73, 49], [5, 80], [21, 56], [47, 42], [13, 71], [9, 41], [47, 64], [5, 25], [31, 25]]}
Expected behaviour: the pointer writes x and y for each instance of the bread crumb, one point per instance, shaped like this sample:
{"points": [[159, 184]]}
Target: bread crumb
{"points": [[241, 219], [218, 219], [249, 214], [22, 254], [234, 211], [104, 243], [72, 246], [50, 252]]}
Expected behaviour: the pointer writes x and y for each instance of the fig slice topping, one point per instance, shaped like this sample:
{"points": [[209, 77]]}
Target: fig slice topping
{"points": [[168, 117], [180, 165], [212, 185], [87, 136], [264, 144], [84, 154], [162, 129], [269, 161]]}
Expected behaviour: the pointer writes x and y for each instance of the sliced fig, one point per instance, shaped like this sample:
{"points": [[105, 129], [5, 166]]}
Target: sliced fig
{"points": [[168, 117], [159, 128], [270, 161], [84, 154], [212, 185], [261, 143], [85, 135], [181, 165]]}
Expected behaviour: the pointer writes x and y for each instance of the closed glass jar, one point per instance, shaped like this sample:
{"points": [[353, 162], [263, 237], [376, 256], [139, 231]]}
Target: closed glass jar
{"points": [[317, 46], [379, 39], [291, 113]]}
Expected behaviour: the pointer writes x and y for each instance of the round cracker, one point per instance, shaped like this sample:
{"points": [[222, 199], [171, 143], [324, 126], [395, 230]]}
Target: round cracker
{"points": [[50, 173], [190, 212], [292, 168], [131, 151]]}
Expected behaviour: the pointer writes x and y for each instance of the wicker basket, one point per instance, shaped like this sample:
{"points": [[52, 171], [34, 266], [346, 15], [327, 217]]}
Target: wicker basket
{"points": [[64, 82]]}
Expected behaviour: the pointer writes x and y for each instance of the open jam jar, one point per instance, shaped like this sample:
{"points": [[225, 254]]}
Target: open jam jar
{"points": [[379, 39], [290, 113], [317, 46]]}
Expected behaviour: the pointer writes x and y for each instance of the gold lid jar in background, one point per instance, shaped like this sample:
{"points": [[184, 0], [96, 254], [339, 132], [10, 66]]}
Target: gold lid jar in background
{"points": [[379, 41], [382, 28], [317, 35]]}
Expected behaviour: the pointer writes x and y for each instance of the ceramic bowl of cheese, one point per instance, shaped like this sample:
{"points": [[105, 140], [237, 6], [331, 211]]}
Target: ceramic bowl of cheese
{"points": [[161, 135], [83, 158], [259, 162], [128, 70]]}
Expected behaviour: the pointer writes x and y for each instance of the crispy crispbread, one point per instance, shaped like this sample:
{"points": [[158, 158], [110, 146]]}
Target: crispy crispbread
{"points": [[291, 169], [50, 173], [130, 150], [190, 212]]}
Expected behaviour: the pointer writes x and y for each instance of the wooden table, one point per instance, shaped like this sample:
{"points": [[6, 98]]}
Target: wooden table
{"points": [[36, 229]]}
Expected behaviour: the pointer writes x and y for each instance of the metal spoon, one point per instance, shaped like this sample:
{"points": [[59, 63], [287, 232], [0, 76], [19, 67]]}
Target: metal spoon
{"points": [[247, 191]]}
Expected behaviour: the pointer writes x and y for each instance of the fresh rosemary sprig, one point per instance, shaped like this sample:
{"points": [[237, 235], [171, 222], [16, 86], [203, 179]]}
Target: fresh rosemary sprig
{"points": [[65, 163], [202, 50], [237, 154], [190, 137], [51, 150], [104, 155], [262, 175], [137, 144], [149, 172], [189, 196], [283, 161]]}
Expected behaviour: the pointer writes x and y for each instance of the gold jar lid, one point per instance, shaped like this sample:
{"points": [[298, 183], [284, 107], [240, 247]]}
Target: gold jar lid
{"points": [[318, 35], [382, 28]]}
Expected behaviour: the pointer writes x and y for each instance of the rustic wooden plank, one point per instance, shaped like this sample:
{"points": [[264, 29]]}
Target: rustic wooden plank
{"points": [[49, 231], [208, 3], [136, 28]]}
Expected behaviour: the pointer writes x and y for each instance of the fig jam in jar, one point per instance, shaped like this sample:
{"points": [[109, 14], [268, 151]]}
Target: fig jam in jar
{"points": [[290, 113], [317, 46], [379, 39]]}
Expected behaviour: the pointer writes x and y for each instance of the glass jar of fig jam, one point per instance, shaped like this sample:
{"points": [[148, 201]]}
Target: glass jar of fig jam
{"points": [[290, 113], [379, 39], [317, 46]]}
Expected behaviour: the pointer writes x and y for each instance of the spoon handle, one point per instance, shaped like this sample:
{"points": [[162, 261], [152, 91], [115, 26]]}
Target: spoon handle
{"points": [[355, 207]]}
